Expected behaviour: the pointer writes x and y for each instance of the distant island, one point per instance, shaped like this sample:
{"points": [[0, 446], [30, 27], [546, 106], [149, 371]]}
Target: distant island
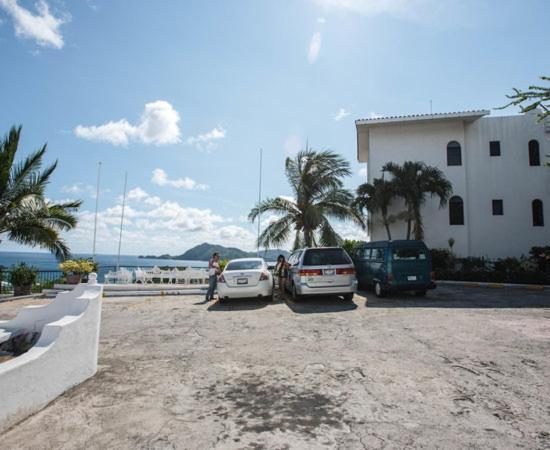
{"points": [[203, 252]]}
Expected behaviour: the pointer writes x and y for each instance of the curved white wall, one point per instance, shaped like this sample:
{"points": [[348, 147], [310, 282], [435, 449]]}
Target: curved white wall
{"points": [[64, 356]]}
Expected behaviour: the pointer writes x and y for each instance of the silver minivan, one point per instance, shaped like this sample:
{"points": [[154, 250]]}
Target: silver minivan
{"points": [[321, 271]]}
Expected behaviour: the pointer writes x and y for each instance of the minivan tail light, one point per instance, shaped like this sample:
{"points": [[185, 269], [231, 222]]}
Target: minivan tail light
{"points": [[264, 276], [221, 279], [348, 271], [310, 272], [432, 276], [390, 277]]}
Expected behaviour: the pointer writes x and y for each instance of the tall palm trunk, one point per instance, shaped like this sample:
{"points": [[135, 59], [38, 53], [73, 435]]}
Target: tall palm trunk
{"points": [[409, 221], [418, 229], [387, 226], [386, 222], [308, 237]]}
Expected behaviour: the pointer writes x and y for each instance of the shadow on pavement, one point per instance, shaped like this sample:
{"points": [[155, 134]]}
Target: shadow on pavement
{"points": [[239, 304], [460, 297], [315, 305]]}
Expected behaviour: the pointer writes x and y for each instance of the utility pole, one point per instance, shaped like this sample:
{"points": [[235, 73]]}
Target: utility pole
{"points": [[96, 208], [259, 200], [121, 220]]}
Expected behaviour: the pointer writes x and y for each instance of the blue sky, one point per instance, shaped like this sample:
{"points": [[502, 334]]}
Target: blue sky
{"points": [[182, 94]]}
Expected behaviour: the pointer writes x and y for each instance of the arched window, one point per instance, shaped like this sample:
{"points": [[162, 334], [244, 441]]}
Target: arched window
{"points": [[534, 153], [456, 210], [454, 154], [538, 213]]}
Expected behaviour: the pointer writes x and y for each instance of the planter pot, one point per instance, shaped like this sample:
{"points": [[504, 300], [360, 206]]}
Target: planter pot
{"points": [[74, 278], [21, 290]]}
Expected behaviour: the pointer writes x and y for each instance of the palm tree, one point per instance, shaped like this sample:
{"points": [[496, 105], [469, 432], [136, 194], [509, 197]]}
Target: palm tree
{"points": [[316, 182], [413, 181], [376, 197], [26, 216]]}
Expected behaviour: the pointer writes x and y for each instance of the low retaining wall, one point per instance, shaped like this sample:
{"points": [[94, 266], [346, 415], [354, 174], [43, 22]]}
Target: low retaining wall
{"points": [[64, 355]]}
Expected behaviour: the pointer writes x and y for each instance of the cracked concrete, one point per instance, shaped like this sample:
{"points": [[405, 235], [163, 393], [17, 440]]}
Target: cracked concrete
{"points": [[461, 368]]}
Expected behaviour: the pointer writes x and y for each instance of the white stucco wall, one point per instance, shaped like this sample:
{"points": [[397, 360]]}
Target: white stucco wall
{"points": [[508, 177], [64, 356], [479, 180]]}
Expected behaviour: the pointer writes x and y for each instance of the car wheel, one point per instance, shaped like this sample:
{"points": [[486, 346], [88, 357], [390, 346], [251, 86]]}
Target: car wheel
{"points": [[378, 290], [222, 300], [295, 295], [420, 293], [348, 297]]}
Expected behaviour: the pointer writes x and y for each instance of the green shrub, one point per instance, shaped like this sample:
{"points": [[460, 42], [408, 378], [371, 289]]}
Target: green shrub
{"points": [[475, 264], [349, 245], [541, 257], [22, 275], [78, 266], [223, 263], [533, 270], [442, 259]]}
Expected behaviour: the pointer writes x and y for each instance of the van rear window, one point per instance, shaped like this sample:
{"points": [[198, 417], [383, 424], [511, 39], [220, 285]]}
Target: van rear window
{"points": [[408, 254], [326, 256]]}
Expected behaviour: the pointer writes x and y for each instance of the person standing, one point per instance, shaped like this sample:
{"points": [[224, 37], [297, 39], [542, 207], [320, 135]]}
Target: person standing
{"points": [[213, 272], [281, 270]]}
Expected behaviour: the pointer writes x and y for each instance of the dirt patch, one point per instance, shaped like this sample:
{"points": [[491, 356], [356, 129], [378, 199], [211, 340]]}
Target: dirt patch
{"points": [[257, 405]]}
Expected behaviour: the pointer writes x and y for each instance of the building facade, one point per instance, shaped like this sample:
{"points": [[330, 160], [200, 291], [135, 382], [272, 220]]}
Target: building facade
{"points": [[500, 205]]}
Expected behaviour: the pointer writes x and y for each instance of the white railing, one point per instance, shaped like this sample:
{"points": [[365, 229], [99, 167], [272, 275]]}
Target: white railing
{"points": [[157, 275]]}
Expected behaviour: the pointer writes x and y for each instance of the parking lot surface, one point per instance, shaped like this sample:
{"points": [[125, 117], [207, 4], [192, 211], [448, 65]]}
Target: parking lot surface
{"points": [[459, 368]]}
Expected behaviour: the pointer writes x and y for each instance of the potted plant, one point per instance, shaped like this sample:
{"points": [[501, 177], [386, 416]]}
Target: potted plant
{"points": [[74, 269], [22, 277]]}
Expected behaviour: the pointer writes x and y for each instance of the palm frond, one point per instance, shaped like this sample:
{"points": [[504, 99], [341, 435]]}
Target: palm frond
{"points": [[276, 233], [327, 236]]}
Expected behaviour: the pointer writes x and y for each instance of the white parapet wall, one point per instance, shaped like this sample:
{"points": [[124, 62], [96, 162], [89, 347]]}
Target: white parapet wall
{"points": [[64, 355]]}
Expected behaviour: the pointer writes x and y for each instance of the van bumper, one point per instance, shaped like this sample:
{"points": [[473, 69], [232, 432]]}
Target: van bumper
{"points": [[304, 289]]}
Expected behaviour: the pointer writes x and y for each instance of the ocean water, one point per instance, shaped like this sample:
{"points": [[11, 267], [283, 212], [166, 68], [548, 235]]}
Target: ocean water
{"points": [[46, 261]]}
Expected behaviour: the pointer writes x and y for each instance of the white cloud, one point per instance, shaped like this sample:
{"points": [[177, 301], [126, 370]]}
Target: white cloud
{"points": [[167, 227], [160, 178], [350, 230], [341, 114], [314, 48], [75, 189], [208, 140], [289, 198], [158, 125], [82, 188], [234, 232], [321, 20], [140, 196], [292, 145], [363, 171], [43, 27]]}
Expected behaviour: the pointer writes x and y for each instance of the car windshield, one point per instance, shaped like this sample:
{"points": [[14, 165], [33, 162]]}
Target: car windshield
{"points": [[245, 265], [409, 253], [326, 256]]}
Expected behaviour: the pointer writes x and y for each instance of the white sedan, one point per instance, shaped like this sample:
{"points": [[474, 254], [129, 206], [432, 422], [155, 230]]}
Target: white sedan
{"points": [[245, 278]]}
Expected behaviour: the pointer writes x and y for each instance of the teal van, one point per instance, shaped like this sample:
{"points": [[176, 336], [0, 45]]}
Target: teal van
{"points": [[394, 266]]}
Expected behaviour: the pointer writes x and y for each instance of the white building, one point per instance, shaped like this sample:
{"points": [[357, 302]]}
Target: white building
{"points": [[500, 204]]}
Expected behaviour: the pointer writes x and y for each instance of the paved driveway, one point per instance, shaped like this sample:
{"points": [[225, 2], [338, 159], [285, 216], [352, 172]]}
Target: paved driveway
{"points": [[463, 367]]}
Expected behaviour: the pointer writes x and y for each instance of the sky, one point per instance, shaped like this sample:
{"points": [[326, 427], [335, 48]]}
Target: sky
{"points": [[181, 95]]}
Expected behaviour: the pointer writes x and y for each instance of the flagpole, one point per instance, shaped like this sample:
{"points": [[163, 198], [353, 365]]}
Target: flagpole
{"points": [[259, 200], [121, 220], [96, 208]]}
